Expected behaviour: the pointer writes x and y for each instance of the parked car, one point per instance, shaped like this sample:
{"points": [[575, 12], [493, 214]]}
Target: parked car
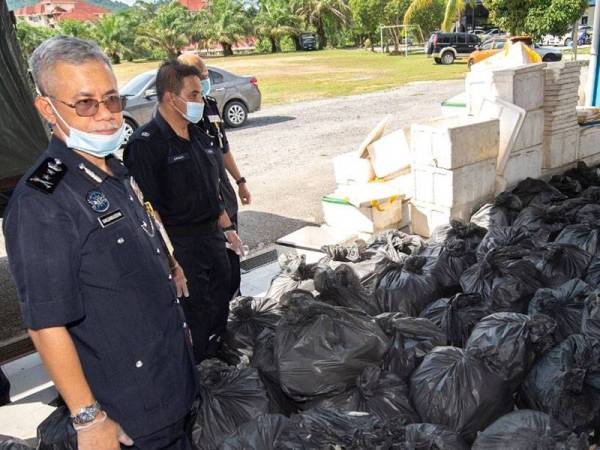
{"points": [[308, 41], [495, 45], [584, 36], [445, 48], [237, 96]]}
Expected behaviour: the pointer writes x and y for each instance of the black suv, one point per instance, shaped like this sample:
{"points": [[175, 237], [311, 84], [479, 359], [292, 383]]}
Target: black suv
{"points": [[446, 47]]}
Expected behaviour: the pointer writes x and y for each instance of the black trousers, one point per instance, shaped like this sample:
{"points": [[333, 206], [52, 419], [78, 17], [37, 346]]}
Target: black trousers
{"points": [[204, 260], [174, 437], [234, 264]]}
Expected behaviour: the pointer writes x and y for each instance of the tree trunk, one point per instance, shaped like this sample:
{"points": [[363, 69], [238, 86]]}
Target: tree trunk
{"points": [[227, 50], [297, 43], [322, 36], [575, 40], [116, 59], [274, 46]]}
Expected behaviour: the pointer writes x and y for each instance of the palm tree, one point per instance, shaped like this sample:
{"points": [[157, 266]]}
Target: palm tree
{"points": [[453, 11], [111, 33], [228, 24], [169, 30], [317, 12], [31, 36], [276, 20], [76, 28]]}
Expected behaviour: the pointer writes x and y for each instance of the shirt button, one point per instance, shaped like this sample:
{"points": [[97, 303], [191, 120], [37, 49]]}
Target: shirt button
{"points": [[130, 198], [170, 277], [184, 324], [158, 251], [120, 241], [139, 364]]}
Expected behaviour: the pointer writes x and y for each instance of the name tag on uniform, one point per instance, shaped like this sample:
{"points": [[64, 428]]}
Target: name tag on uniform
{"points": [[214, 118], [178, 158], [110, 218]]}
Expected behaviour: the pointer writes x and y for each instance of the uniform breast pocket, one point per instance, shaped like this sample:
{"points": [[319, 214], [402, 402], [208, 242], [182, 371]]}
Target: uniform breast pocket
{"points": [[111, 253], [178, 158]]}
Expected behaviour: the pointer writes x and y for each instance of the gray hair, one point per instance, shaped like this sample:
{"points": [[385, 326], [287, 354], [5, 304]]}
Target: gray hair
{"points": [[65, 49]]}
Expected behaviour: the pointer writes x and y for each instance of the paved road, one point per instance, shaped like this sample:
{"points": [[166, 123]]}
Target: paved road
{"points": [[286, 152]]}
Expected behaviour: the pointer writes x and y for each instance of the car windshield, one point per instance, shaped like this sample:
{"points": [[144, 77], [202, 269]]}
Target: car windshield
{"points": [[135, 85]]}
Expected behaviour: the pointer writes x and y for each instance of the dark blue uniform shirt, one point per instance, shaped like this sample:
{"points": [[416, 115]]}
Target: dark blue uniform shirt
{"points": [[85, 255], [179, 177]]}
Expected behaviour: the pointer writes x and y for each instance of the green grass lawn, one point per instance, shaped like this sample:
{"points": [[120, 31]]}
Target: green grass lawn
{"points": [[292, 77]]}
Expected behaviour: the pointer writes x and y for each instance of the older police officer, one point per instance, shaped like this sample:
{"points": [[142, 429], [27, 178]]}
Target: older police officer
{"points": [[95, 285], [177, 168]]}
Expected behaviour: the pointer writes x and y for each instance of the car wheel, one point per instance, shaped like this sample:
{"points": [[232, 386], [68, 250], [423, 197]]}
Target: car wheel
{"points": [[448, 58], [235, 114], [437, 60], [549, 58], [568, 42], [130, 127]]}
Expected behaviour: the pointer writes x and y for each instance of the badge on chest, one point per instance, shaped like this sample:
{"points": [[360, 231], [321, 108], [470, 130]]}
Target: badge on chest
{"points": [[98, 201]]}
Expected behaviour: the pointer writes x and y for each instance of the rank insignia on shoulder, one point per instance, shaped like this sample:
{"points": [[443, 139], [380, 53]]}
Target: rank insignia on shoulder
{"points": [[145, 134], [47, 176], [98, 201]]}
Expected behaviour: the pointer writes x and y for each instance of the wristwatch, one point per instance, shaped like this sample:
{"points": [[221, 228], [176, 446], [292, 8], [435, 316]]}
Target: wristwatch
{"points": [[86, 415], [240, 181], [229, 228]]}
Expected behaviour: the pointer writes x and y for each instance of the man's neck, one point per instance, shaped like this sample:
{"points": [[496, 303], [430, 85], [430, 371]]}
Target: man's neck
{"points": [[175, 120]]}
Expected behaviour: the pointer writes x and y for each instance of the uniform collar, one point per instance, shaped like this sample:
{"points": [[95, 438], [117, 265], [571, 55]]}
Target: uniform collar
{"points": [[58, 149], [166, 129]]}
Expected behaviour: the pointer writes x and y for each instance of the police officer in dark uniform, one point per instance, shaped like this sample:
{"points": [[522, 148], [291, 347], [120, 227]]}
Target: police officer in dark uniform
{"points": [[212, 125], [96, 286], [177, 168]]}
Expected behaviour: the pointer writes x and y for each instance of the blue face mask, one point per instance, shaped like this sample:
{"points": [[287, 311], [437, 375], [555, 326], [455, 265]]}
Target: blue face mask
{"points": [[98, 145], [194, 111], [206, 86]]}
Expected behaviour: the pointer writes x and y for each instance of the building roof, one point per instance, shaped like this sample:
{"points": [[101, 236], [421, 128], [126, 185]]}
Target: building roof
{"points": [[194, 5], [64, 9]]}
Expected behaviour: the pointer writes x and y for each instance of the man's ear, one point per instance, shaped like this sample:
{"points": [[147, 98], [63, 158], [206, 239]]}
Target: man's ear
{"points": [[45, 109]]}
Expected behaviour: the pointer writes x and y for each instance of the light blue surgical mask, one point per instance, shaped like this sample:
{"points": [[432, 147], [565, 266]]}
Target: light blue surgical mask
{"points": [[194, 111], [98, 145], [206, 86]]}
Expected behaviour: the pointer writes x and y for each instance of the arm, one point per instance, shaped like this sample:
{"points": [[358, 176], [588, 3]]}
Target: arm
{"points": [[233, 170], [233, 240], [60, 358]]}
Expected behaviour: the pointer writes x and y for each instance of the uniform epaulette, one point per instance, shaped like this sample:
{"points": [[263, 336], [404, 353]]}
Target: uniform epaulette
{"points": [[211, 100], [144, 133], [47, 175]]}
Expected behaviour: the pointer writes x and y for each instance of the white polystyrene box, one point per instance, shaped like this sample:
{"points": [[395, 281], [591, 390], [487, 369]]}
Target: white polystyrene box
{"points": [[452, 142], [532, 130], [560, 148], [520, 165], [424, 217], [449, 188], [350, 168], [589, 142], [391, 153]]}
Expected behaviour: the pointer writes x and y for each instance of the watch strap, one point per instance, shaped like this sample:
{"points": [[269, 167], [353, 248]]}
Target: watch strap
{"points": [[240, 181], [86, 414]]}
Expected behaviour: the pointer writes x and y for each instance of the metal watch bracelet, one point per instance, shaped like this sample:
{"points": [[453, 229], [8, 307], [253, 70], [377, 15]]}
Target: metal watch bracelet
{"points": [[87, 414]]}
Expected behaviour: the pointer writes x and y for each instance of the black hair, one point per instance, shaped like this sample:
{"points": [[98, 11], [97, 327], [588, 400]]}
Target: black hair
{"points": [[170, 77]]}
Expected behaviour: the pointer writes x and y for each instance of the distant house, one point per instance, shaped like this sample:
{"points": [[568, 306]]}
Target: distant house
{"points": [[195, 5], [588, 15], [48, 13]]}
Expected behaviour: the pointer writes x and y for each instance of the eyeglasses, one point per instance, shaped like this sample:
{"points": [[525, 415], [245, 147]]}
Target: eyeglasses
{"points": [[89, 107]]}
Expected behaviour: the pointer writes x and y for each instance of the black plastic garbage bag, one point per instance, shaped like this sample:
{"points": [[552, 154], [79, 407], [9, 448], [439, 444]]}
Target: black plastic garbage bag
{"points": [[395, 245], [321, 428], [263, 359], [12, 443], [248, 317], [294, 272], [453, 257], [342, 287], [408, 289], [508, 343], [590, 323], [592, 274], [564, 304], [565, 383], [542, 222], [528, 430], [56, 431], [230, 398], [412, 339], [566, 185], [560, 262], [507, 237], [587, 176], [353, 252], [534, 192], [504, 279], [432, 437], [457, 316], [589, 214], [260, 433], [592, 193], [569, 208], [501, 213], [381, 394], [586, 236], [453, 389], [470, 233], [321, 349]]}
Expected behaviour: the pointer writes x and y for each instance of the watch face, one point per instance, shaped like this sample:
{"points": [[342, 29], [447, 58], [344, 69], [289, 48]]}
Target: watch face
{"points": [[86, 415]]}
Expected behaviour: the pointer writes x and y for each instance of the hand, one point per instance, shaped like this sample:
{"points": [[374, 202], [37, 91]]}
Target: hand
{"points": [[102, 435], [180, 281], [235, 243], [244, 194]]}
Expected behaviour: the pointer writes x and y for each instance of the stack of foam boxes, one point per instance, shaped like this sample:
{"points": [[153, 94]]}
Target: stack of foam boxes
{"points": [[561, 130], [589, 145], [454, 170], [522, 86]]}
